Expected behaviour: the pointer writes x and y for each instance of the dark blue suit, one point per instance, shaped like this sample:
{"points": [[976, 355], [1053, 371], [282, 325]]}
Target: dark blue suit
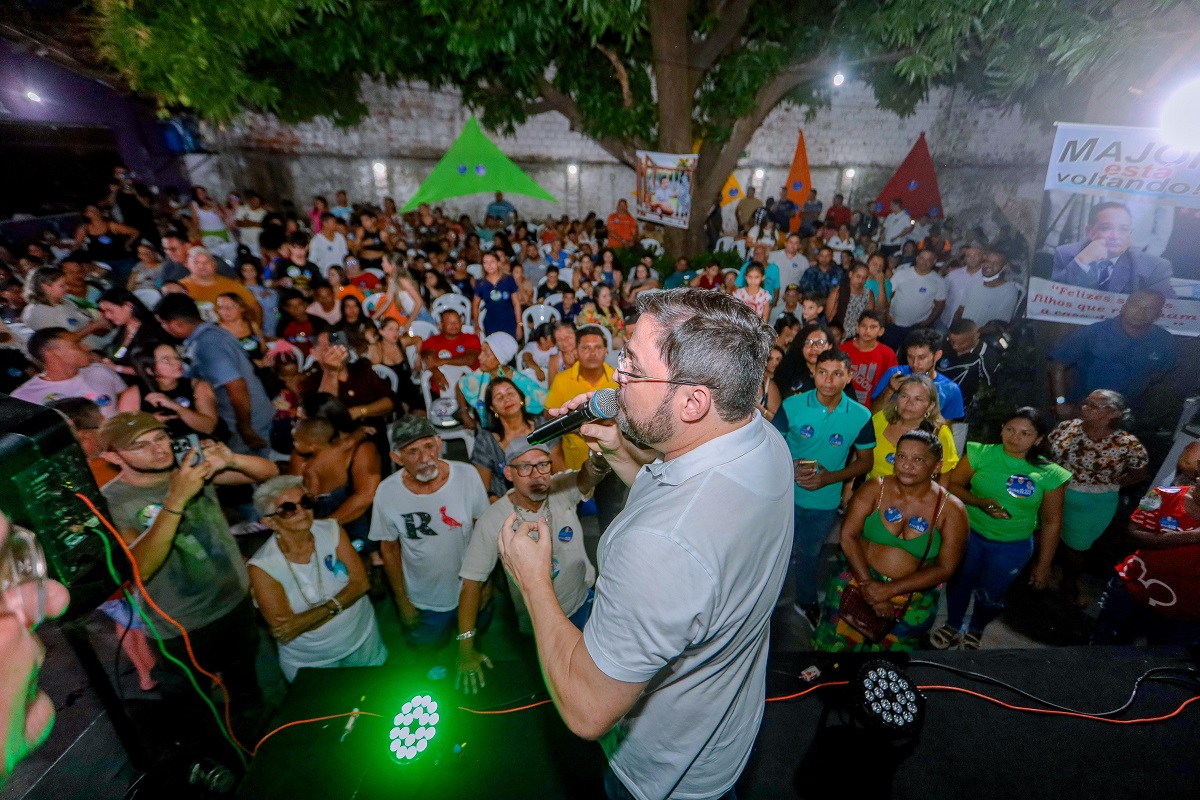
{"points": [[1130, 271]]}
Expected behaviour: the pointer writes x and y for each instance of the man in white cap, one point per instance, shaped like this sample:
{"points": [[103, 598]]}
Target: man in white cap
{"points": [[535, 493]]}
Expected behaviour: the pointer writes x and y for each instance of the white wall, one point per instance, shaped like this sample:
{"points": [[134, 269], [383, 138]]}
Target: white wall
{"points": [[990, 164]]}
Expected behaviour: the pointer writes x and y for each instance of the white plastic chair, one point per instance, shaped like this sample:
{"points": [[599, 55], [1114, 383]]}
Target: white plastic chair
{"points": [[536, 315], [724, 243], [653, 246], [553, 299], [739, 247], [447, 427], [455, 301], [475, 271], [149, 297], [388, 374], [482, 316], [376, 271], [422, 328]]}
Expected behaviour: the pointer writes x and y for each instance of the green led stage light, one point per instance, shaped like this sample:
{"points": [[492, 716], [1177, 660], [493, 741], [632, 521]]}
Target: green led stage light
{"points": [[414, 728]]}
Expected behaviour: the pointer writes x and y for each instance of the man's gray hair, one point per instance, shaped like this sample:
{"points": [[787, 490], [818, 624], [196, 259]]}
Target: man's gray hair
{"points": [[710, 338], [266, 494], [198, 252]]}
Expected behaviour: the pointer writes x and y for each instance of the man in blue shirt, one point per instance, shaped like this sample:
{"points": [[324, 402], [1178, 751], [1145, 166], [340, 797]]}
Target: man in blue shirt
{"points": [[682, 277], [501, 209], [824, 276], [923, 350], [831, 441], [1123, 354]]}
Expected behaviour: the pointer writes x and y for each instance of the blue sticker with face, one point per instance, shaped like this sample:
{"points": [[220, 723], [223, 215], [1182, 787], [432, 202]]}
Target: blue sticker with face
{"points": [[102, 400], [919, 524], [891, 458], [336, 566], [835, 440], [1020, 486], [566, 534], [893, 514], [496, 294], [806, 431], [1169, 523], [553, 568], [922, 290]]}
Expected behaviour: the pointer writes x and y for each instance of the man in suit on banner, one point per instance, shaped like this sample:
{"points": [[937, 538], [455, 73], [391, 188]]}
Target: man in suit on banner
{"points": [[1105, 262]]}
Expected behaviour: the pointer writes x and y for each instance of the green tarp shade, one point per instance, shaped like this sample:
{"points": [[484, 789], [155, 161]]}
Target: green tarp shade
{"points": [[474, 165]]}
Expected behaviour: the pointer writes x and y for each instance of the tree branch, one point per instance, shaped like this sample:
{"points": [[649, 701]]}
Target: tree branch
{"points": [[539, 106], [622, 75], [563, 104], [732, 15]]}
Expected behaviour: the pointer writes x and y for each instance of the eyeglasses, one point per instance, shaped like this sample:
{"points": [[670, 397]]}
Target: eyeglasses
{"points": [[525, 470], [623, 360], [288, 508], [816, 342]]}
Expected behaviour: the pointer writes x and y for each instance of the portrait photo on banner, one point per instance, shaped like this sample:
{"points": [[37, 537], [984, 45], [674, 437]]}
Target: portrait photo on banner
{"points": [[664, 187], [1122, 214]]}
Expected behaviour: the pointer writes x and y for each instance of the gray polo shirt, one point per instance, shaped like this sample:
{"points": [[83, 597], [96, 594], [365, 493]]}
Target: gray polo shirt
{"points": [[214, 355], [689, 574]]}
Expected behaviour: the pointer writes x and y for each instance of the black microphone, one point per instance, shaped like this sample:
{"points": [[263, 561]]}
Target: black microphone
{"points": [[603, 405]]}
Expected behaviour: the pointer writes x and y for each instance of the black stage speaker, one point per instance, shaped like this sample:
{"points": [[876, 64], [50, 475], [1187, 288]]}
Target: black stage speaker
{"points": [[42, 466]]}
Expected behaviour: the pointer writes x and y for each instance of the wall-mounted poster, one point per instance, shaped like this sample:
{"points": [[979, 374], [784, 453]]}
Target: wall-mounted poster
{"points": [[664, 187]]}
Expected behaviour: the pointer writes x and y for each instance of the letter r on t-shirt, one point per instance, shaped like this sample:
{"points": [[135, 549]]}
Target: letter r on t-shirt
{"points": [[416, 525]]}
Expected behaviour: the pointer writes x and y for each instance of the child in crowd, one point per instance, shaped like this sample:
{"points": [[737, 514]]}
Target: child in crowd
{"points": [[753, 294]]}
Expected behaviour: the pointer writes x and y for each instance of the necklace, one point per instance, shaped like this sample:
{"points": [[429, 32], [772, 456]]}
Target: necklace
{"points": [[296, 578]]}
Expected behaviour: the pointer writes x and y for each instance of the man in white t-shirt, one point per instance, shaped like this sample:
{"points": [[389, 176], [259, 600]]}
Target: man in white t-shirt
{"points": [[994, 297], [790, 261], [535, 493], [918, 297], [68, 371], [328, 247], [960, 280], [896, 228], [423, 517], [248, 220]]}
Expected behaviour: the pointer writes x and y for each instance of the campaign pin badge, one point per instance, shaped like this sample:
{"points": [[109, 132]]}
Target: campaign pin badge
{"points": [[1169, 524], [495, 294], [806, 431], [1020, 486], [919, 524], [566, 534], [890, 458], [835, 439], [892, 514]]}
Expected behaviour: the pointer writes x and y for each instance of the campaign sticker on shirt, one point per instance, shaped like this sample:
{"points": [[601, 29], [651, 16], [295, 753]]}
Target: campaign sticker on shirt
{"points": [[460, 350], [835, 281], [944, 363], [336, 566], [553, 568], [922, 290], [184, 401], [1151, 502], [1169, 523], [72, 321], [890, 458], [806, 431], [1020, 485], [496, 294], [566, 534], [104, 239], [443, 354], [145, 517], [835, 440], [293, 272], [102, 400], [919, 524], [893, 514]]}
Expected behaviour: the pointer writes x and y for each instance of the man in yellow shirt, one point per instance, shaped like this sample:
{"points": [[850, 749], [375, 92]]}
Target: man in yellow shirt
{"points": [[588, 374], [204, 286]]}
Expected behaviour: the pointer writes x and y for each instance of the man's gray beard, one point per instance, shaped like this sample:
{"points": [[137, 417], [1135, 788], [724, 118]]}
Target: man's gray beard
{"points": [[660, 427], [428, 475]]}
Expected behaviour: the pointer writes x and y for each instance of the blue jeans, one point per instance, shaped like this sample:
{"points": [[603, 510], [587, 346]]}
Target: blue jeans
{"points": [[988, 570], [808, 536], [1123, 620], [580, 617], [615, 790], [433, 628]]}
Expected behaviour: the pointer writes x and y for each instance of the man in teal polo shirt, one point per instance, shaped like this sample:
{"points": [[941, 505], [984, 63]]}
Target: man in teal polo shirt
{"points": [[825, 426]]}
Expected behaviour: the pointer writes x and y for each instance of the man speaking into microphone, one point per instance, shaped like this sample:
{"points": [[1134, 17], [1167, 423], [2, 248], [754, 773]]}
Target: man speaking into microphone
{"points": [[670, 670]]}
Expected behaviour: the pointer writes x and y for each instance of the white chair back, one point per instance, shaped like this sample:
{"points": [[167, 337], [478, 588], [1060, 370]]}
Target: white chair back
{"points": [[536, 315], [724, 243], [455, 301], [653, 246], [554, 299], [388, 374], [739, 247], [481, 326], [149, 297], [422, 328], [475, 271]]}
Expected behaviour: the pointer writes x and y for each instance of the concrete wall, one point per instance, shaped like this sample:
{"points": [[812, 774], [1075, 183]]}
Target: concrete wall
{"points": [[990, 165]]}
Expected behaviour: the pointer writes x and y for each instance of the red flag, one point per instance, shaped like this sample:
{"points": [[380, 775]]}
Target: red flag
{"points": [[915, 183], [799, 180]]}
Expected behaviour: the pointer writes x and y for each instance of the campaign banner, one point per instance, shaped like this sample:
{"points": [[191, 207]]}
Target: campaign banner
{"points": [[1123, 215], [664, 187], [1124, 162], [1060, 302]]}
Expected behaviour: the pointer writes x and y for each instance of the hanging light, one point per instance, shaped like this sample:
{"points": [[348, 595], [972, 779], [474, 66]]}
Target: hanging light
{"points": [[839, 79], [573, 169], [1180, 121], [850, 173], [32, 96]]}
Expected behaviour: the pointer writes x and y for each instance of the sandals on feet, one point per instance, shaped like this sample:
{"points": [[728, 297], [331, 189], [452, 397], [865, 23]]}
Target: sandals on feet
{"points": [[944, 638], [970, 641]]}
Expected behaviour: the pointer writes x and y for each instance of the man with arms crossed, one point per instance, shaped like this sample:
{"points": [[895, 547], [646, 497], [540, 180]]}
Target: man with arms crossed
{"points": [[670, 669]]}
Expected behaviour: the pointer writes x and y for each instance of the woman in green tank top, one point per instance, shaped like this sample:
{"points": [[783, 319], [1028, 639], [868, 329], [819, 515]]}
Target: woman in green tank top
{"points": [[903, 536]]}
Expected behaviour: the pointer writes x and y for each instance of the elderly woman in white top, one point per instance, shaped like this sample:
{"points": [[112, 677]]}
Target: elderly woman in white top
{"points": [[309, 584]]}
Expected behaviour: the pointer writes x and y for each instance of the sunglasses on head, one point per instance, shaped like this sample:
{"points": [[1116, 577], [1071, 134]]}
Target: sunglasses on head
{"points": [[288, 508]]}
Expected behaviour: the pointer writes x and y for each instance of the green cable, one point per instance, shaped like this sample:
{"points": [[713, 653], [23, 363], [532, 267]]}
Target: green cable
{"points": [[112, 571]]}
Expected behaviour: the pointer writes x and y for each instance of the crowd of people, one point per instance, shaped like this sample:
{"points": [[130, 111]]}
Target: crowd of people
{"points": [[229, 366]]}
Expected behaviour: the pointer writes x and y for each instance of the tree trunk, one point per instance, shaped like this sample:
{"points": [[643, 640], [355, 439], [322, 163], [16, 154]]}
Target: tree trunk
{"points": [[670, 38]]}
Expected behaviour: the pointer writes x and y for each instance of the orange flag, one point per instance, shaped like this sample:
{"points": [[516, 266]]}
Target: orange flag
{"points": [[799, 181]]}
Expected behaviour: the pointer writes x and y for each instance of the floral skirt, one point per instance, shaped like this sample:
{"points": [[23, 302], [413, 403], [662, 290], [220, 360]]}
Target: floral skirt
{"points": [[835, 636]]}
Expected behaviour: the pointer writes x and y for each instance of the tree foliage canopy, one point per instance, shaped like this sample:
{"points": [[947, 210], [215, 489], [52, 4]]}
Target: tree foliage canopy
{"points": [[629, 73]]}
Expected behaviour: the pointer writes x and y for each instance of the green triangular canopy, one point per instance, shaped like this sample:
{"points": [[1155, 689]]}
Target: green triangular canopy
{"points": [[474, 165]]}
